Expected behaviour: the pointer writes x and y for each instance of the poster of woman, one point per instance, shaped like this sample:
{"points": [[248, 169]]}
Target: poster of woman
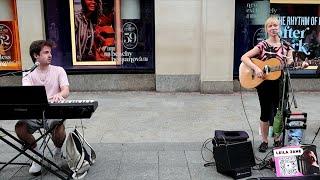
{"points": [[95, 32]]}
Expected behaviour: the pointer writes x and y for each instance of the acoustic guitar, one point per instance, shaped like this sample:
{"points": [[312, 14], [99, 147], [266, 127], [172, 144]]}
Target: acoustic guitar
{"points": [[271, 67]]}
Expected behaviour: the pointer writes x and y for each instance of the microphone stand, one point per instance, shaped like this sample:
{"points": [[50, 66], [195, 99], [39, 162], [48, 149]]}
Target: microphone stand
{"points": [[22, 71], [28, 72], [285, 104], [14, 73]]}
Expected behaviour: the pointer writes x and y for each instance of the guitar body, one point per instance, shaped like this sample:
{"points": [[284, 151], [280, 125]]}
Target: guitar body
{"points": [[249, 80]]}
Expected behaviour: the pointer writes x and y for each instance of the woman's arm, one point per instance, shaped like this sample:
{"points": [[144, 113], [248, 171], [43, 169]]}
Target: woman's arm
{"points": [[289, 58], [246, 58]]}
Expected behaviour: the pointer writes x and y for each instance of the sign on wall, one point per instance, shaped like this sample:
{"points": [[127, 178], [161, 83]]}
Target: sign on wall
{"points": [[9, 47]]}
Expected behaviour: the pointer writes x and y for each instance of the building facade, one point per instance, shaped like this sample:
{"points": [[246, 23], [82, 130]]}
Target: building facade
{"points": [[193, 49]]}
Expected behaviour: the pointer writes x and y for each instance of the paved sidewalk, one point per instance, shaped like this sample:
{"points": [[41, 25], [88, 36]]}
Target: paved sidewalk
{"points": [[149, 135]]}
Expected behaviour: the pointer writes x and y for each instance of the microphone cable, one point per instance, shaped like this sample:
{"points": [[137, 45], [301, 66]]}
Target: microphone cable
{"points": [[261, 161], [204, 147]]}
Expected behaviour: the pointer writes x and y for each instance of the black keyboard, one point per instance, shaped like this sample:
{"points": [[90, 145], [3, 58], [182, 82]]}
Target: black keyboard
{"points": [[68, 109], [71, 109]]}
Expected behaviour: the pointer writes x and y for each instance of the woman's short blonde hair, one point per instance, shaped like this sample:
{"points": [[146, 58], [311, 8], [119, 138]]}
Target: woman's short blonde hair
{"points": [[271, 19]]}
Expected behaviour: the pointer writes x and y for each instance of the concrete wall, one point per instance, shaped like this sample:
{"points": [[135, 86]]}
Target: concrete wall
{"points": [[217, 46], [194, 45], [177, 43], [111, 82], [31, 26]]}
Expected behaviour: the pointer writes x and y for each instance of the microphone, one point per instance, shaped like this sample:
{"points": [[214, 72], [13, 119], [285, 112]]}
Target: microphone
{"points": [[284, 42], [36, 64]]}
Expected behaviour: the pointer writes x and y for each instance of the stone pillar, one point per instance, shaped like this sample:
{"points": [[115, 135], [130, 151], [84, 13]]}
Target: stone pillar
{"points": [[177, 45], [217, 44], [31, 27]]}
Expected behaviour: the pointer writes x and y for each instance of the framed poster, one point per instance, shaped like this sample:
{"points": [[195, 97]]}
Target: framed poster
{"points": [[9, 46], [300, 26], [95, 32], [10, 57]]}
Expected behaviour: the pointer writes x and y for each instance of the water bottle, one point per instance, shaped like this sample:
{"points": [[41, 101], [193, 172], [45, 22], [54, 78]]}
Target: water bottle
{"points": [[295, 135], [270, 134]]}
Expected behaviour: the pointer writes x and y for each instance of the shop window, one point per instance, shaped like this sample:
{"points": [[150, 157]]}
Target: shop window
{"points": [[115, 34]]}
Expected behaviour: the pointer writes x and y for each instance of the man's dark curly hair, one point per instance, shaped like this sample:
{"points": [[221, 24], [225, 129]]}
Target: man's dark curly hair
{"points": [[36, 47]]}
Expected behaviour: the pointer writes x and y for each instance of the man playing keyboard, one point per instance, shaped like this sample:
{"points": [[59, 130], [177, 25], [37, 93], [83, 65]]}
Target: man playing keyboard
{"points": [[55, 80]]}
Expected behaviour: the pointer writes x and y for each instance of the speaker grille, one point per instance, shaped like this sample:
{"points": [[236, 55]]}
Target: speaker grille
{"points": [[240, 155], [234, 156]]}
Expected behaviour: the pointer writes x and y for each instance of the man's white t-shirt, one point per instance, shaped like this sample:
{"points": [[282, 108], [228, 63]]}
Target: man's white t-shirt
{"points": [[53, 79]]}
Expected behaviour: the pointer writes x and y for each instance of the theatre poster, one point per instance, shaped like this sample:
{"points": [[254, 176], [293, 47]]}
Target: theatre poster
{"points": [[300, 26], [9, 46]]}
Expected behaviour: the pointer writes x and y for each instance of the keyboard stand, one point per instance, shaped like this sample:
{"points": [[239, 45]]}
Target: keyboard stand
{"points": [[28, 147]]}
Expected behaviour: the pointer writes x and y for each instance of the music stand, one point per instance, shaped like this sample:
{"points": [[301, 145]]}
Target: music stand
{"points": [[22, 102], [25, 102]]}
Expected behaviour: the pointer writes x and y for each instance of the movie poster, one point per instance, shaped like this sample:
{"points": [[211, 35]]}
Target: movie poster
{"points": [[9, 47], [300, 26]]}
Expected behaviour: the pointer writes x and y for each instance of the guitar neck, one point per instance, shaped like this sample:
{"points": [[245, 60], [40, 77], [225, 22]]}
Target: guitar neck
{"points": [[273, 68], [312, 62]]}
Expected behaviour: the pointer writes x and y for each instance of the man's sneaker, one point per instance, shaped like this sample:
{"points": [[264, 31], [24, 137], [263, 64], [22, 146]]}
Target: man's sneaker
{"points": [[57, 156], [263, 147], [59, 159], [35, 169]]}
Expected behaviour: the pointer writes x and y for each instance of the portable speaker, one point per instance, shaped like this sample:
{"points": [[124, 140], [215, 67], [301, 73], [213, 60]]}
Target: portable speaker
{"points": [[234, 159], [224, 137]]}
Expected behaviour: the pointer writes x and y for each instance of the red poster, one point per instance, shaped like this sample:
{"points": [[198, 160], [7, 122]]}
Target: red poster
{"points": [[9, 46], [96, 33]]}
